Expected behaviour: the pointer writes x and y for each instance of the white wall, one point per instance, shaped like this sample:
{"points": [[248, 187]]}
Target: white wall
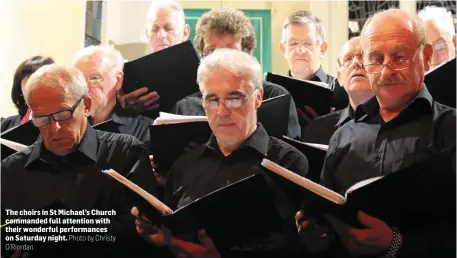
{"points": [[53, 28]]}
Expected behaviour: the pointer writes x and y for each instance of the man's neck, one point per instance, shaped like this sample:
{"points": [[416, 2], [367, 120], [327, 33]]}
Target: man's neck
{"points": [[390, 112], [357, 98], [303, 75], [102, 115], [230, 146]]}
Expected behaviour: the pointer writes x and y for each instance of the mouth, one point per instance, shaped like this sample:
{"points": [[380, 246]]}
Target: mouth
{"points": [[358, 75], [225, 124]]}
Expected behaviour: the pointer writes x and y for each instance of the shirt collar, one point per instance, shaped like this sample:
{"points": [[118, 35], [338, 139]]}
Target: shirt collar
{"points": [[257, 141], [87, 147], [346, 115], [371, 106], [319, 75], [116, 116]]}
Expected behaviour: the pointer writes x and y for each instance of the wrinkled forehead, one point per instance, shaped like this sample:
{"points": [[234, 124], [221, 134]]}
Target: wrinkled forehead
{"points": [[45, 94], [92, 63], [352, 47], [388, 29], [163, 16], [221, 82]]}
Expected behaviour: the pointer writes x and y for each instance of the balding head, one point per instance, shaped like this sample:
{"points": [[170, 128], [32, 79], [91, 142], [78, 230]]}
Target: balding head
{"points": [[57, 96], [351, 74], [389, 18], [395, 56], [67, 81]]}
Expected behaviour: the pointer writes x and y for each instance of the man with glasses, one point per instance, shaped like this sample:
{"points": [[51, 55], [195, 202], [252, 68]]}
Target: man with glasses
{"points": [[102, 67], [63, 165], [353, 78], [227, 27], [303, 45], [400, 126], [231, 85], [440, 30]]}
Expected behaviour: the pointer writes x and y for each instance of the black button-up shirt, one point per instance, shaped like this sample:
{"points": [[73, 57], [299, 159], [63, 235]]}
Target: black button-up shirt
{"points": [[36, 178], [192, 106], [129, 123], [321, 129], [206, 169], [320, 76], [367, 147]]}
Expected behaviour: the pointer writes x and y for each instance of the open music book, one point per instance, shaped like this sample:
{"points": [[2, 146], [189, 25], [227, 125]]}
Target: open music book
{"points": [[401, 198], [237, 205], [151, 199], [13, 145], [315, 187]]}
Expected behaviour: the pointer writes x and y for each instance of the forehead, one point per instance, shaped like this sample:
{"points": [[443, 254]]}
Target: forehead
{"points": [[221, 82], [434, 31], [298, 30], [351, 47], [165, 15], [389, 31], [48, 99], [90, 64], [221, 39]]}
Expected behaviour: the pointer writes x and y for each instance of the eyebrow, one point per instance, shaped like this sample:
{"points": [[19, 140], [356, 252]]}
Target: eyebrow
{"points": [[230, 94]]}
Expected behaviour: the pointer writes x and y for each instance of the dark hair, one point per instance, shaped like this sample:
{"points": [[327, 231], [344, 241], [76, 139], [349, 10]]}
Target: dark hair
{"points": [[24, 70]]}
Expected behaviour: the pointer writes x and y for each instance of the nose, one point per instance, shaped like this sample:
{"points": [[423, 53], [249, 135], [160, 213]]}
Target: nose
{"points": [[54, 126], [357, 62], [301, 49], [162, 33], [222, 110]]}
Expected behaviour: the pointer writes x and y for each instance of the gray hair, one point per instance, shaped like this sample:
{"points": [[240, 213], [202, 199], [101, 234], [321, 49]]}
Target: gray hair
{"points": [[235, 61], [115, 57], [70, 79], [173, 5], [304, 17], [440, 16], [419, 28]]}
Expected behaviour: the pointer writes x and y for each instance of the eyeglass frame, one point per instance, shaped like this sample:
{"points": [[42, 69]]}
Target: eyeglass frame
{"points": [[71, 110], [309, 47], [225, 102], [341, 64], [101, 78], [408, 62]]}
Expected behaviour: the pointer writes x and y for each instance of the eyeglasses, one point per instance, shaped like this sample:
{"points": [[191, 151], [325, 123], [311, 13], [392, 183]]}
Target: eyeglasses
{"points": [[95, 79], [296, 43], [57, 116], [347, 60], [440, 45], [231, 103], [396, 65]]}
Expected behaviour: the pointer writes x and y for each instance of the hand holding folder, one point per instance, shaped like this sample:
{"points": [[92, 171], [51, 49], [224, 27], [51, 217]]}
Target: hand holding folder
{"points": [[171, 73], [228, 214], [139, 100]]}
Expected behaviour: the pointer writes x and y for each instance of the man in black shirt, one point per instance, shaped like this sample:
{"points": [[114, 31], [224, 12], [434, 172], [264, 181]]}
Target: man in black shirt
{"points": [[63, 168], [303, 45], [354, 79], [102, 67], [227, 27], [231, 84], [400, 126]]}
